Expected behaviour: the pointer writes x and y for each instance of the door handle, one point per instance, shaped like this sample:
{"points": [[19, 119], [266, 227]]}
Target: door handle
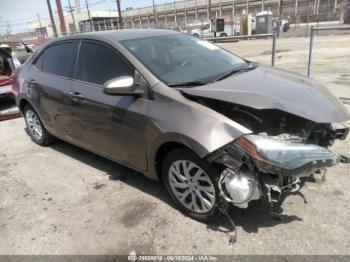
{"points": [[75, 96], [31, 81]]}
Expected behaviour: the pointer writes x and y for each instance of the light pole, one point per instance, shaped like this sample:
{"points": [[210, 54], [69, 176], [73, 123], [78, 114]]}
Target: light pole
{"points": [[120, 21]]}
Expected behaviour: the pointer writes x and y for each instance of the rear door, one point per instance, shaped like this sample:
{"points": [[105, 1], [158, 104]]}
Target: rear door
{"points": [[49, 78], [107, 124]]}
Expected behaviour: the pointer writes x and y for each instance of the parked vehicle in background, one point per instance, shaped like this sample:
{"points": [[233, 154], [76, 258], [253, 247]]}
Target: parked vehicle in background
{"points": [[17, 49], [283, 25], [8, 65], [230, 28], [216, 129], [177, 29]]}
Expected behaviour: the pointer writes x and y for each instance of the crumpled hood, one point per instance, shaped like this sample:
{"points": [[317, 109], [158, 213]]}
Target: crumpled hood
{"points": [[269, 88]]}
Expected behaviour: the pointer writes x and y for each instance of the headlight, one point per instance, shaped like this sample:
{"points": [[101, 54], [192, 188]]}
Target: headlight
{"points": [[278, 156]]}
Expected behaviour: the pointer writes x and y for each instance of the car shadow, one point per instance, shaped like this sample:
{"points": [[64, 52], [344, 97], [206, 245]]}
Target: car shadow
{"points": [[250, 220]]}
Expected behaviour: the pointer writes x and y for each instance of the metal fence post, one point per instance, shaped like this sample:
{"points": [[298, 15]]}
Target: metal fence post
{"points": [[273, 48], [310, 50]]}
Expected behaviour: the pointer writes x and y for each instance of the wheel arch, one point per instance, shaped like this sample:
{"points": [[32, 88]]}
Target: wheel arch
{"points": [[22, 103], [162, 152], [169, 143]]}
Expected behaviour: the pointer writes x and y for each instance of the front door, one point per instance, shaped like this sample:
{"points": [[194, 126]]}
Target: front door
{"points": [[107, 124]]}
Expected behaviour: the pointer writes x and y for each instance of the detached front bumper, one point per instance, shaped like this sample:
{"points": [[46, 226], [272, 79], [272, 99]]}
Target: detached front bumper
{"points": [[260, 165]]}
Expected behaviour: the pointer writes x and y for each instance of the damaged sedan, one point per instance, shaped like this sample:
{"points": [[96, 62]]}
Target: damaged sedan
{"points": [[217, 130]]}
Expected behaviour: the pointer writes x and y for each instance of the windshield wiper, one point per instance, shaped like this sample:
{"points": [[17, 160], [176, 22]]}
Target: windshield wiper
{"points": [[236, 70], [190, 83]]}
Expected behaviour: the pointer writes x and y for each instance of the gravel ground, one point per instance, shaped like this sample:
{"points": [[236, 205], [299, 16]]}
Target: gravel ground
{"points": [[64, 200]]}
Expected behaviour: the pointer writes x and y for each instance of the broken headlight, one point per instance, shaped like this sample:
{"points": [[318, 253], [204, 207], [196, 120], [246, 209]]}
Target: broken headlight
{"points": [[272, 155]]}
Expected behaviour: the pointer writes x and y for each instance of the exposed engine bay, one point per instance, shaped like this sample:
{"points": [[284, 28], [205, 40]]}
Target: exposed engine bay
{"points": [[282, 148], [277, 123]]}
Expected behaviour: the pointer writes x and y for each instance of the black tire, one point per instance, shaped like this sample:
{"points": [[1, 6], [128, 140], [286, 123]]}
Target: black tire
{"points": [[46, 138], [196, 35], [223, 35], [211, 171]]}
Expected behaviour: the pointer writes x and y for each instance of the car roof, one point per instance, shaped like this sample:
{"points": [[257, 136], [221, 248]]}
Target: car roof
{"points": [[120, 35]]}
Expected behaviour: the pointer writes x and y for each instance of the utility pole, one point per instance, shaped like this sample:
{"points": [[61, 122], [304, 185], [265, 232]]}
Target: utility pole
{"points": [[281, 9], [51, 18], [61, 17], [90, 20], [155, 14], [39, 20], [120, 21], [40, 25], [71, 12], [9, 30], [209, 9]]}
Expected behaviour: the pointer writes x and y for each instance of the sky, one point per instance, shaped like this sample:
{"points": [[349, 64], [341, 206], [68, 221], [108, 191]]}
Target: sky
{"points": [[19, 12]]}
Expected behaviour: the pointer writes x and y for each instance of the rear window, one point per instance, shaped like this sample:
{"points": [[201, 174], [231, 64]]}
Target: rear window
{"points": [[57, 59]]}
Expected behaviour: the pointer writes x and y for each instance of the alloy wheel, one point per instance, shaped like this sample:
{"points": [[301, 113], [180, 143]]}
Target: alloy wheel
{"points": [[34, 124], [191, 186]]}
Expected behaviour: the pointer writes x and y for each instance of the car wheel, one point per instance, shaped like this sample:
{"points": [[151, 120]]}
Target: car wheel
{"points": [[196, 35], [223, 35], [36, 129], [192, 183]]}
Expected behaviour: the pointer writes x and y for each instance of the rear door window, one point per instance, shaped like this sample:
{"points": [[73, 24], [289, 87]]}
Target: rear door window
{"points": [[58, 59], [98, 63]]}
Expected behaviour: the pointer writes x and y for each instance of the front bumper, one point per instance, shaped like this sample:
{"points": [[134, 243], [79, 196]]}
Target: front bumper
{"points": [[248, 177]]}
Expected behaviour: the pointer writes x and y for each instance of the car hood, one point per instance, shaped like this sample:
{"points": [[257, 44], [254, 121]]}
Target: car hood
{"points": [[270, 88]]}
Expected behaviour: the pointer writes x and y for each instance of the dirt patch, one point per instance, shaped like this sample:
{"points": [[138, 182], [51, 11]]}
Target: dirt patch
{"points": [[134, 212], [98, 186]]}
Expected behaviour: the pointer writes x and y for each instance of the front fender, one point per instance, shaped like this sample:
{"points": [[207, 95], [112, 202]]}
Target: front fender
{"points": [[186, 122]]}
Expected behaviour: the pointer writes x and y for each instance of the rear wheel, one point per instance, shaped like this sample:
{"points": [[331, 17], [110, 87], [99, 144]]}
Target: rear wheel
{"points": [[192, 183], [223, 35], [36, 129]]}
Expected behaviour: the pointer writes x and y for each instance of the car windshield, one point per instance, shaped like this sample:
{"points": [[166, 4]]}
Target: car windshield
{"points": [[183, 59]]}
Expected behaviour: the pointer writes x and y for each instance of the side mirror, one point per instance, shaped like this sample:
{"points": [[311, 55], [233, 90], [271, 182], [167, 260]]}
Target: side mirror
{"points": [[122, 85]]}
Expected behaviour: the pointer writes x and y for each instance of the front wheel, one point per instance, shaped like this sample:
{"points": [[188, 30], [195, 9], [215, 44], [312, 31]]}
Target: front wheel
{"points": [[192, 183]]}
